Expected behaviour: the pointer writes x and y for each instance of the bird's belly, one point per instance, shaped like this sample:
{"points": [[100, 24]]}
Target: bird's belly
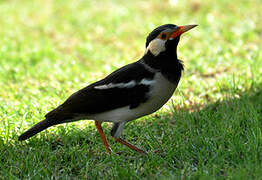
{"points": [[159, 94]]}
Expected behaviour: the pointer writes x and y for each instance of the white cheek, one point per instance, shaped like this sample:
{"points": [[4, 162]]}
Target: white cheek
{"points": [[156, 46]]}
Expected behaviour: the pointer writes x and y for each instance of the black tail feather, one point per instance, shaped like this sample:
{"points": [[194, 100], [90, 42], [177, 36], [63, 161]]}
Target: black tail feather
{"points": [[36, 129]]}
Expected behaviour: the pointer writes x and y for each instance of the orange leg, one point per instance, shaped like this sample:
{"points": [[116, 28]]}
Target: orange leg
{"points": [[122, 141], [103, 137]]}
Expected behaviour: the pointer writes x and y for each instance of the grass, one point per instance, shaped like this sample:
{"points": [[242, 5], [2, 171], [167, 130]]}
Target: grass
{"points": [[211, 129]]}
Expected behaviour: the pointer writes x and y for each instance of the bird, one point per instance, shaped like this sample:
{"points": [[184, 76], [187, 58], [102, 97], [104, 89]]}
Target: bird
{"points": [[130, 92]]}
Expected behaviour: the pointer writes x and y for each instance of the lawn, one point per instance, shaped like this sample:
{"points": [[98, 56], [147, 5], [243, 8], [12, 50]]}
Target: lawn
{"points": [[211, 128]]}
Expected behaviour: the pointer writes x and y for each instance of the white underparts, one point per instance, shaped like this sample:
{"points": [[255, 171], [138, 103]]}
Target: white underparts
{"points": [[130, 84], [156, 46]]}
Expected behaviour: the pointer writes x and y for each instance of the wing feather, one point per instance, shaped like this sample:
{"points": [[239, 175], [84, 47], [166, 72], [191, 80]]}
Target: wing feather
{"points": [[116, 92]]}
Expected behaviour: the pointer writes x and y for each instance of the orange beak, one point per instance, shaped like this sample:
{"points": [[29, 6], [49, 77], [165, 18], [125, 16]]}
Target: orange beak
{"points": [[181, 30]]}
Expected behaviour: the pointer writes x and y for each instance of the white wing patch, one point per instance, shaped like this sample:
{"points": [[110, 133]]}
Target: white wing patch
{"points": [[130, 84], [146, 81]]}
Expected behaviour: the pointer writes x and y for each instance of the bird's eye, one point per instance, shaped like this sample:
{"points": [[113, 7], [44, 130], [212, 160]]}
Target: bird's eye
{"points": [[163, 36]]}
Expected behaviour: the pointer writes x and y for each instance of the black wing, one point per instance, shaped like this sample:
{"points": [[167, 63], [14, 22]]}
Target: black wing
{"points": [[92, 99]]}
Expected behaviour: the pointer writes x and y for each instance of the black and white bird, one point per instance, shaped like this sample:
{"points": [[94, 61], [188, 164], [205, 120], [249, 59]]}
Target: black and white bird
{"points": [[133, 91]]}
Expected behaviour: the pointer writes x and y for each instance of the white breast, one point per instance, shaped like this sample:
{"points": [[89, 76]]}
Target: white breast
{"points": [[160, 92]]}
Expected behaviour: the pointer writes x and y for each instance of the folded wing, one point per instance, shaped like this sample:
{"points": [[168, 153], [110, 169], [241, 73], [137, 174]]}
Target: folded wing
{"points": [[128, 86]]}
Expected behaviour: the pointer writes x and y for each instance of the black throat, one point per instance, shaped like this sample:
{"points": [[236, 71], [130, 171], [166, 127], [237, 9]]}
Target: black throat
{"points": [[167, 63]]}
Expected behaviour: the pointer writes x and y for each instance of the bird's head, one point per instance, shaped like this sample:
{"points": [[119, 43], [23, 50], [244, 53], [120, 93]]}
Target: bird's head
{"points": [[164, 39]]}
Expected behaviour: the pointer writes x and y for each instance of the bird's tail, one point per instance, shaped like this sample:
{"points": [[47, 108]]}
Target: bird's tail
{"points": [[42, 125]]}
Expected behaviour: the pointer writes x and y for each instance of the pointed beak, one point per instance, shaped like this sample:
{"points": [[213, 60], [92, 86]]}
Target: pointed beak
{"points": [[181, 30]]}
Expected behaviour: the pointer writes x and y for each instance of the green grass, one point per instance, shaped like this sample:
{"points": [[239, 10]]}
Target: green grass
{"points": [[212, 127]]}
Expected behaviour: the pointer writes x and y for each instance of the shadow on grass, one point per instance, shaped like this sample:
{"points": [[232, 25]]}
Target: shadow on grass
{"points": [[218, 139]]}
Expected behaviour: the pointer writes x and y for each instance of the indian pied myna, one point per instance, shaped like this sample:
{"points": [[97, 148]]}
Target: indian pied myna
{"points": [[133, 91]]}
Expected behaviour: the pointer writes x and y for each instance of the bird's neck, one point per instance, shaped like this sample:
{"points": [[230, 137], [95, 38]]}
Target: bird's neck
{"points": [[166, 63]]}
